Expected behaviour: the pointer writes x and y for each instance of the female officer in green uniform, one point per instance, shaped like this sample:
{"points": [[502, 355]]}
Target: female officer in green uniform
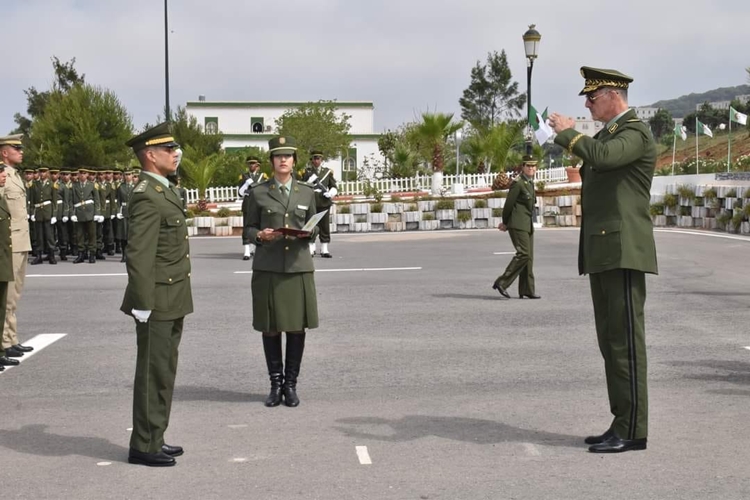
{"points": [[283, 287]]}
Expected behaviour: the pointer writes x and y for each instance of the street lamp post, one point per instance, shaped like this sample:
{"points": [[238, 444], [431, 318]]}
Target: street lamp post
{"points": [[458, 185], [166, 63], [531, 46]]}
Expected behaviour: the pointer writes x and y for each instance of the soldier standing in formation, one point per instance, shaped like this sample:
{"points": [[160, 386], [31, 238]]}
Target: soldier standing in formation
{"points": [[248, 180], [283, 283], [61, 211], [517, 220], [158, 295], [43, 203], [124, 190], [324, 185], [85, 215], [617, 246], [6, 264], [11, 155]]}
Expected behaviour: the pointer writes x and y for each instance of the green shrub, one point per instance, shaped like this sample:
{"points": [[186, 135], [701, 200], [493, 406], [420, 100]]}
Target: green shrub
{"points": [[497, 212], [737, 204], [499, 194], [205, 213], [747, 193], [223, 212], [444, 204], [480, 203], [190, 213], [746, 210], [360, 218], [428, 216], [657, 209], [540, 185], [697, 201], [463, 216], [685, 211], [413, 208], [722, 219], [376, 208], [732, 193], [395, 198], [709, 194], [670, 200], [737, 220], [686, 191], [344, 209]]}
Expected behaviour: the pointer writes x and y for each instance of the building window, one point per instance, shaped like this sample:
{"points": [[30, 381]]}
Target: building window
{"points": [[349, 165], [256, 125], [211, 124]]}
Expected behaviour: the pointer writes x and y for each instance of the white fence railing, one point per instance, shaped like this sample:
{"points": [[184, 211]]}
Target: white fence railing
{"points": [[419, 183]]}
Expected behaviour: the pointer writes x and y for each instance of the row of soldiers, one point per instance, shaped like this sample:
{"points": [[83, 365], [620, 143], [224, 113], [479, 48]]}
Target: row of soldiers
{"points": [[80, 212]]}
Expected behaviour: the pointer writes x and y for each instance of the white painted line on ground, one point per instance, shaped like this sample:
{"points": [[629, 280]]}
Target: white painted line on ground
{"points": [[747, 347], [239, 460], [363, 455], [74, 275], [38, 343], [531, 449], [706, 233], [359, 269], [102, 464], [504, 253], [237, 426], [129, 429]]}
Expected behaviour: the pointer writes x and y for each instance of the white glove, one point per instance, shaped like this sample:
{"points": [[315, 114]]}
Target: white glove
{"points": [[141, 316], [28, 217], [112, 216], [312, 178], [65, 219], [53, 220], [120, 216], [244, 187], [99, 218], [33, 218], [327, 194], [333, 192], [74, 218]]}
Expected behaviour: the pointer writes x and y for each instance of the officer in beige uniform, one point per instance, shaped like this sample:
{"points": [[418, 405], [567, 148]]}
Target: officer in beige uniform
{"points": [[11, 154], [283, 285], [6, 264]]}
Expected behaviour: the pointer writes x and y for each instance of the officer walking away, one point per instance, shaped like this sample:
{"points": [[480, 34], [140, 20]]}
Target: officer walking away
{"points": [[324, 185], [158, 294], [43, 200], [11, 155], [251, 178], [283, 283], [6, 264], [518, 221], [616, 246]]}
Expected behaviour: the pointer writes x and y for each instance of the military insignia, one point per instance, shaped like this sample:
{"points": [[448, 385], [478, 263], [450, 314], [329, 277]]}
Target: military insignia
{"points": [[302, 207], [141, 187], [282, 140], [613, 128], [158, 189]]}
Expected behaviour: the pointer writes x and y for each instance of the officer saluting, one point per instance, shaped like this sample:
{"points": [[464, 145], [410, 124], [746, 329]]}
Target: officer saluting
{"points": [[158, 295], [324, 185]]}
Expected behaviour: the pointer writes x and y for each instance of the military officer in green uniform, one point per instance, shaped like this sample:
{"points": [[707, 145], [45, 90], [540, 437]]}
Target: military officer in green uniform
{"points": [[283, 285], [616, 246], [103, 192], [124, 190], [6, 264], [248, 180], [29, 180], [63, 200], [43, 202], [85, 215], [324, 185], [517, 220], [69, 176], [158, 295]]}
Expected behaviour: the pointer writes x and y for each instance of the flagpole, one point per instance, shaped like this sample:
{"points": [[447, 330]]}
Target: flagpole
{"points": [[674, 147], [729, 143], [697, 167]]}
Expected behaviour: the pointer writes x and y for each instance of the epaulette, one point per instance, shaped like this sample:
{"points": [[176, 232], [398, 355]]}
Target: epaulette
{"points": [[29, 184], [56, 185], [141, 187], [96, 185], [634, 120]]}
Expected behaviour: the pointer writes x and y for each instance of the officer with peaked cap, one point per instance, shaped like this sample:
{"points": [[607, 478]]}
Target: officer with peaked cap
{"points": [[85, 212], [158, 295], [249, 179], [6, 264], [43, 203], [11, 155], [324, 184], [617, 247]]}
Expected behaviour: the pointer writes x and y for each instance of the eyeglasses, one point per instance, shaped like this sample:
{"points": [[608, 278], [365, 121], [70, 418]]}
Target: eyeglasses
{"points": [[17, 147], [592, 98]]}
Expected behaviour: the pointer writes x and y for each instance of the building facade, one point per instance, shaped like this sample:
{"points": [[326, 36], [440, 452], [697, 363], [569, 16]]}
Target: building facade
{"points": [[250, 123]]}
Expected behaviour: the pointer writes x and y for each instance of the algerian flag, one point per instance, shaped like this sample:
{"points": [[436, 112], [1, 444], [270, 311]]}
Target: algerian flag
{"points": [[701, 128], [681, 131], [538, 122], [736, 116]]}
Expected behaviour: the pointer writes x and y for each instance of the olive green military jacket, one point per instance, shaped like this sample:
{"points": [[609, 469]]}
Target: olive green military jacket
{"points": [[6, 250], [43, 200], [106, 198], [158, 261], [123, 197], [618, 166], [519, 205], [15, 196], [325, 180], [86, 201], [63, 200], [267, 207]]}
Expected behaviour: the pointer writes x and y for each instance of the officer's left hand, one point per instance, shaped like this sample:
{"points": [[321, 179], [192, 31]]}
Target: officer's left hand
{"points": [[502, 227], [65, 219], [53, 220], [111, 216], [33, 218], [99, 218]]}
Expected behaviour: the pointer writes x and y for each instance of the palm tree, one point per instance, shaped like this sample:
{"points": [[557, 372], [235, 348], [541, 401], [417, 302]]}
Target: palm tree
{"points": [[433, 133], [404, 161], [495, 148], [199, 173]]}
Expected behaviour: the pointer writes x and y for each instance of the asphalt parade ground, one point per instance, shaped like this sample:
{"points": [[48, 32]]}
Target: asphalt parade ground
{"points": [[421, 382]]}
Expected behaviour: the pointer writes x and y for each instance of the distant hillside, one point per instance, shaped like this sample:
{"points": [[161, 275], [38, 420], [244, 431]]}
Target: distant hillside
{"points": [[686, 104]]}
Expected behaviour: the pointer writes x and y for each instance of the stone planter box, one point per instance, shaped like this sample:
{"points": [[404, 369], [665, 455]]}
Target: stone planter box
{"points": [[466, 204], [221, 221], [697, 221], [397, 217], [577, 210], [343, 219], [377, 218], [446, 224], [445, 214], [729, 203], [566, 220], [204, 221], [395, 226], [343, 228], [684, 221], [361, 227], [412, 216], [221, 231], [426, 206], [360, 208], [235, 221], [482, 223], [549, 220], [429, 225], [376, 227], [494, 221], [670, 211], [393, 208], [481, 213], [192, 231], [496, 202], [660, 220], [469, 224], [411, 226], [685, 202], [565, 201], [709, 223]]}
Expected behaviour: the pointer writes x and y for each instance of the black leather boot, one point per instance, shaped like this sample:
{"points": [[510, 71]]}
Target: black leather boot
{"points": [[37, 259], [51, 258], [92, 257], [100, 254], [275, 363], [118, 248], [124, 245], [63, 254], [81, 257], [295, 346]]}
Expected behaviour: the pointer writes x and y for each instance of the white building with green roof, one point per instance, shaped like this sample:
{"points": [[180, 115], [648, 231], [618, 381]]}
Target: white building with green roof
{"points": [[251, 123]]}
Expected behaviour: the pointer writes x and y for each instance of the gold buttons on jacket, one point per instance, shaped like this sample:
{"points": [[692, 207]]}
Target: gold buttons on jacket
{"points": [[188, 275], [286, 248], [170, 280], [186, 236], [187, 256], [604, 232], [286, 215]]}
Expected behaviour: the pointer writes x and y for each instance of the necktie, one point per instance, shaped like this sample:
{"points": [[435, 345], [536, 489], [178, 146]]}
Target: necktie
{"points": [[283, 191]]}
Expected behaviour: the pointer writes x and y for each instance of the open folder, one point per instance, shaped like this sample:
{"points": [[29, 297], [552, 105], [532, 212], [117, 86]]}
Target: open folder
{"points": [[306, 229]]}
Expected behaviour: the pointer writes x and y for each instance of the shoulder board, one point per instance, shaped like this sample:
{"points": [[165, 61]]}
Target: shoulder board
{"points": [[303, 183], [141, 187], [96, 185], [56, 185], [634, 120], [30, 183]]}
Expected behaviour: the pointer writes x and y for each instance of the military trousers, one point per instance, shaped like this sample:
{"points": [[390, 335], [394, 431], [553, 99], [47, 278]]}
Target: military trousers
{"points": [[619, 296], [245, 228], [155, 371], [72, 230], [61, 230], [521, 265], [10, 333], [108, 231], [3, 303], [325, 225], [86, 236], [45, 238]]}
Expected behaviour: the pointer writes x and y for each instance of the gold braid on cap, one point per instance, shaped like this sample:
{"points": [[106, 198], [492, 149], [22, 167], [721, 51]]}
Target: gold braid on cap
{"points": [[592, 85], [161, 140]]}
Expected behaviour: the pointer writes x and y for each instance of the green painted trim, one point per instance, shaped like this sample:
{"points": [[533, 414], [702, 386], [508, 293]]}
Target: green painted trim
{"points": [[267, 104], [239, 137]]}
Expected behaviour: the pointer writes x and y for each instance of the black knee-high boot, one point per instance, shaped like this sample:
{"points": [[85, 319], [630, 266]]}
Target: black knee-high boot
{"points": [[124, 246], [295, 346], [275, 363]]}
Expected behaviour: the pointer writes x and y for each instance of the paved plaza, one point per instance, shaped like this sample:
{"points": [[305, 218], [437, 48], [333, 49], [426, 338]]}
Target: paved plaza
{"points": [[421, 383]]}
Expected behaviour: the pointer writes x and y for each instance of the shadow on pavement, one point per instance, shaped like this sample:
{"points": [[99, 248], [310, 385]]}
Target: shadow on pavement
{"points": [[470, 430], [34, 440], [196, 393], [488, 296], [734, 372]]}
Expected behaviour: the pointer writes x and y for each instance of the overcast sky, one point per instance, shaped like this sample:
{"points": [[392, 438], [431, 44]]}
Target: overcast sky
{"points": [[406, 56]]}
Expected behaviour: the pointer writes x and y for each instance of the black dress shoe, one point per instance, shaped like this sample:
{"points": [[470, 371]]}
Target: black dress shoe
{"points": [[172, 451], [23, 348], [159, 459], [326, 255], [530, 296], [502, 290], [599, 439], [616, 445], [6, 361], [245, 257], [12, 352], [37, 260]]}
